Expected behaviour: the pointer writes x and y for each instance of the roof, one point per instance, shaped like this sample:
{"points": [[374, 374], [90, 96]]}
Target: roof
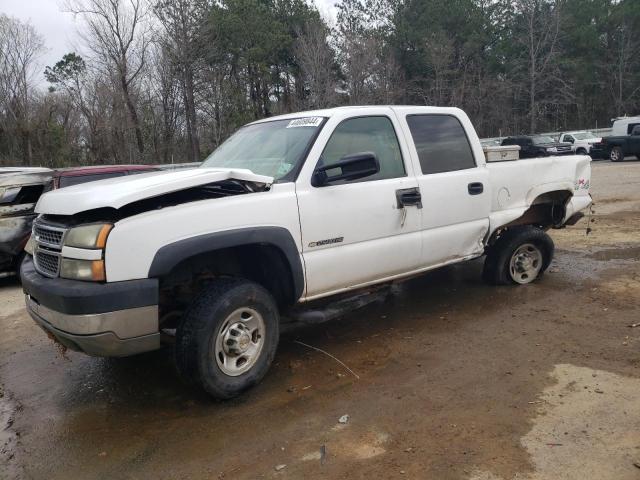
{"points": [[96, 169], [329, 112], [29, 177]]}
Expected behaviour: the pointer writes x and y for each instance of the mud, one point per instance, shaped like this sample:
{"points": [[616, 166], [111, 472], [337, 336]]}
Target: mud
{"points": [[458, 380]]}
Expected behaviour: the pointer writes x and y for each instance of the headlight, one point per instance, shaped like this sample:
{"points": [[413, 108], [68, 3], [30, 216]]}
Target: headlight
{"points": [[88, 270], [88, 236], [92, 237], [29, 246], [9, 194]]}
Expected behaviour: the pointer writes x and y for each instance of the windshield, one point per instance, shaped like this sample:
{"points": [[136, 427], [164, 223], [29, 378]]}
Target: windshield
{"points": [[271, 148], [542, 139], [583, 135]]}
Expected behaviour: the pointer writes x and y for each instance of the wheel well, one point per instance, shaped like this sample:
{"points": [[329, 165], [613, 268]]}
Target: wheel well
{"points": [[546, 211], [264, 264]]}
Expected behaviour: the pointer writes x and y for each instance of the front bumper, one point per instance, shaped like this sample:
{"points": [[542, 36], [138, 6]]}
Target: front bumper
{"points": [[101, 319]]}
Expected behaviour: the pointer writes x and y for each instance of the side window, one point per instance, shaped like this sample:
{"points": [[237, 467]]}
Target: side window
{"points": [[366, 134], [568, 138], [441, 143], [631, 128]]}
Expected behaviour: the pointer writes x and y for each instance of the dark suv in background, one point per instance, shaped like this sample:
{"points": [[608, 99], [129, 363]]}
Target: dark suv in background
{"points": [[532, 146]]}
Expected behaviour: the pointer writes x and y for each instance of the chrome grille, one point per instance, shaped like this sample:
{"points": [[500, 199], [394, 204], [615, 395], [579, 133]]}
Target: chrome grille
{"points": [[47, 263], [48, 246], [48, 235]]}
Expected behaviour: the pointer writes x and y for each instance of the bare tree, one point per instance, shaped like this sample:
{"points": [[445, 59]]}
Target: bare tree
{"points": [[540, 21], [164, 99], [118, 32], [623, 66], [317, 63], [182, 21], [20, 48]]}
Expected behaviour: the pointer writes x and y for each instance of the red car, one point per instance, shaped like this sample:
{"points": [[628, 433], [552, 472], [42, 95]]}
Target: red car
{"points": [[66, 177]]}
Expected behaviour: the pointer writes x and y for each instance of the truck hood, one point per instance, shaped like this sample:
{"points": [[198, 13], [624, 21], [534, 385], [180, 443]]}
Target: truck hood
{"points": [[121, 191]]}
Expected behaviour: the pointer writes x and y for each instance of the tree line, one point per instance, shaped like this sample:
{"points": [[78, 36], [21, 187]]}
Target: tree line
{"points": [[160, 81]]}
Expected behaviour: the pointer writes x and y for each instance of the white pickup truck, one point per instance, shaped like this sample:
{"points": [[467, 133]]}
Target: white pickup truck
{"points": [[288, 211]]}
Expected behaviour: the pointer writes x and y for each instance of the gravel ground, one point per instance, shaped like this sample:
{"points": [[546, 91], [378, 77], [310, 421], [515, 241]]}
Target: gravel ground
{"points": [[458, 380]]}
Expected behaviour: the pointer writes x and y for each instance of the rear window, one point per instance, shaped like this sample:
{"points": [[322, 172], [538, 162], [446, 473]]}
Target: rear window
{"points": [[78, 179], [441, 143]]}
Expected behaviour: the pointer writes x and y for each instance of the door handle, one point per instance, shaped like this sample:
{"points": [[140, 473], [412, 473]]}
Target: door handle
{"points": [[475, 188], [409, 197]]}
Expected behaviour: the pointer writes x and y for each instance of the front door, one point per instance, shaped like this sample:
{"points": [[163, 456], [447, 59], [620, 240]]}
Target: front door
{"points": [[355, 232]]}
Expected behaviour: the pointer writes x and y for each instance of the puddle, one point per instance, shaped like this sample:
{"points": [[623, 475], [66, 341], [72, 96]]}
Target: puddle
{"points": [[632, 253], [577, 434]]}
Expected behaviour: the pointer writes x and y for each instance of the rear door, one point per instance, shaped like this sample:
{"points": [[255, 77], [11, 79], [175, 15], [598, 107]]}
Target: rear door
{"points": [[453, 182], [353, 232]]}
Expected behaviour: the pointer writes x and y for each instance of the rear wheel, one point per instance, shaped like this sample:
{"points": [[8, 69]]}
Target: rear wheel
{"points": [[519, 256], [228, 338], [616, 155]]}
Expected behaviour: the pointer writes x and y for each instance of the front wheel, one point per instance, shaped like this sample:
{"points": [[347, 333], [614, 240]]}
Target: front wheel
{"points": [[616, 155], [519, 256], [581, 151], [228, 337]]}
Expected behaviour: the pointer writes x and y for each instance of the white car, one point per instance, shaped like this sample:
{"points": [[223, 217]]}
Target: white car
{"points": [[581, 141], [289, 212]]}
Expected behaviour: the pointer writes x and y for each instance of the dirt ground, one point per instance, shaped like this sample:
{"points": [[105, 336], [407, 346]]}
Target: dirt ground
{"points": [[457, 380]]}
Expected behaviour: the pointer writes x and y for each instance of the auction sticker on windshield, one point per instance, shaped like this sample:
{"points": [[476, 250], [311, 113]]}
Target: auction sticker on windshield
{"points": [[305, 122]]}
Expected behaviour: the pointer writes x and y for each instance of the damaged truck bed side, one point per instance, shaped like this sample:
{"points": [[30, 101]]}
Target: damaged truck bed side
{"points": [[289, 212], [20, 189]]}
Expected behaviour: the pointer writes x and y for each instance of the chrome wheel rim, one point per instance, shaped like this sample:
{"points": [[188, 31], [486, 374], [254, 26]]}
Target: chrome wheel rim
{"points": [[525, 264], [239, 341]]}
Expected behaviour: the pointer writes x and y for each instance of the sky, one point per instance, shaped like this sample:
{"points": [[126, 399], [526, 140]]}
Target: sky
{"points": [[59, 29]]}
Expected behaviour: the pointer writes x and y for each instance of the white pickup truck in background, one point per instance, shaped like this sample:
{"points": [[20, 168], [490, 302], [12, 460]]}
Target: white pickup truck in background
{"points": [[581, 142], [288, 211]]}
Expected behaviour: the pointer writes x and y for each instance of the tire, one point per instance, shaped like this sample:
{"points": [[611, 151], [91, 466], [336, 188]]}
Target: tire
{"points": [[581, 151], [616, 154], [526, 245], [223, 314]]}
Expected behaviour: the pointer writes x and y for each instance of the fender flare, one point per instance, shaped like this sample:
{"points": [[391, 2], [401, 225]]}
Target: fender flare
{"points": [[168, 256]]}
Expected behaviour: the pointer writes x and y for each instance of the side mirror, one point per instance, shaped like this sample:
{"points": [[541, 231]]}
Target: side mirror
{"points": [[570, 140], [349, 167]]}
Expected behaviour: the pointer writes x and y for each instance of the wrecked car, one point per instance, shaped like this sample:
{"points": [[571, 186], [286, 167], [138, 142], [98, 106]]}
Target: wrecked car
{"points": [[20, 189], [289, 214], [67, 177]]}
